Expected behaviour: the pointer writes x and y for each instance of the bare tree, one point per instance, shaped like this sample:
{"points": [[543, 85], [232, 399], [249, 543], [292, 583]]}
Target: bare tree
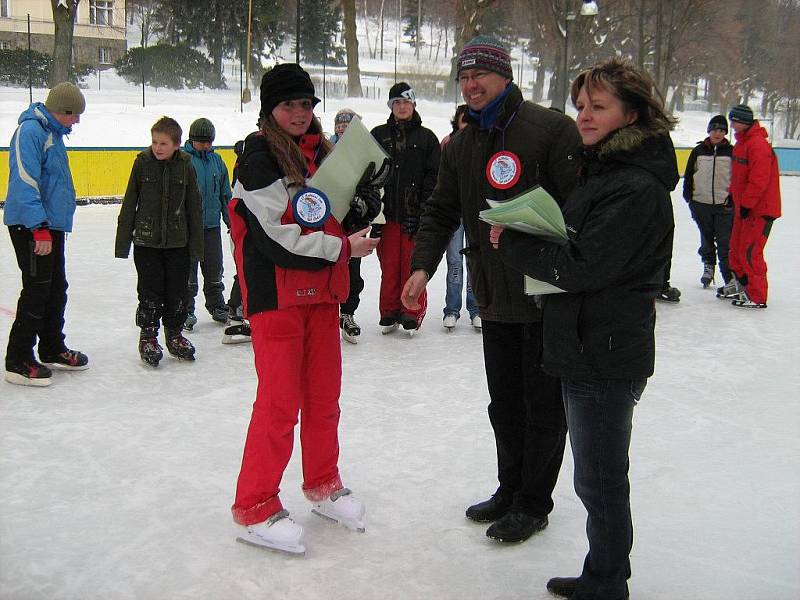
{"points": [[351, 45], [64, 12], [468, 23]]}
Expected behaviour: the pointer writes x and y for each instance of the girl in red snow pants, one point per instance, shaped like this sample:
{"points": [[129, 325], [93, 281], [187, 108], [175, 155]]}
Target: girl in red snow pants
{"points": [[298, 361], [394, 254]]}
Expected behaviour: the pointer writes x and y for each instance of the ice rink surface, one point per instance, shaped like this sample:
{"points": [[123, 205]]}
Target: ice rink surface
{"points": [[116, 483]]}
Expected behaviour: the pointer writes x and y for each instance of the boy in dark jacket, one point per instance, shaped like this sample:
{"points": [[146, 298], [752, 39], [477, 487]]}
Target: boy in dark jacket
{"points": [[415, 152], [215, 190], [705, 188], [162, 215]]}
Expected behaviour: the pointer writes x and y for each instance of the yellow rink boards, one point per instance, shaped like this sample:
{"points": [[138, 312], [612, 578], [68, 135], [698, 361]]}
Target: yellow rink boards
{"points": [[100, 172], [104, 172]]}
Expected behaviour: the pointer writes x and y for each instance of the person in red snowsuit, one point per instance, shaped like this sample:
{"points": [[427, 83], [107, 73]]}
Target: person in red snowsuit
{"points": [[291, 256], [755, 189]]}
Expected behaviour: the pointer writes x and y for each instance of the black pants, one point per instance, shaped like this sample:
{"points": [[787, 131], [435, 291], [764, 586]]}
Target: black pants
{"points": [[212, 273], [163, 277], [715, 222], [527, 414], [356, 287], [40, 309]]}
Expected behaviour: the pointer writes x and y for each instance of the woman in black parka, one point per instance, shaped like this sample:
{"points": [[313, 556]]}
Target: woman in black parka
{"points": [[599, 335]]}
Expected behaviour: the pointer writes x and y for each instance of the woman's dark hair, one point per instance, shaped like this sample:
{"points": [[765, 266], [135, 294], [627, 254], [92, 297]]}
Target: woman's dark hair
{"points": [[286, 151], [461, 112], [633, 86]]}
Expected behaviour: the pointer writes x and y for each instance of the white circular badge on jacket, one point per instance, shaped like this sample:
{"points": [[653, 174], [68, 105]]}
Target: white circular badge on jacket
{"points": [[311, 208], [503, 170]]}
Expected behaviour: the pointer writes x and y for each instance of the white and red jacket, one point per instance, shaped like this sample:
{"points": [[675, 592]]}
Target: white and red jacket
{"points": [[281, 263]]}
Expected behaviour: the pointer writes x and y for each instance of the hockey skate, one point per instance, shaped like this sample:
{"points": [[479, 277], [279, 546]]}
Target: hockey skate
{"points": [[708, 275], [743, 301], [730, 290], [388, 324], [149, 349], [190, 322], [69, 360], [179, 346], [349, 327], [343, 508], [449, 322], [410, 324], [279, 532], [27, 372], [236, 333]]}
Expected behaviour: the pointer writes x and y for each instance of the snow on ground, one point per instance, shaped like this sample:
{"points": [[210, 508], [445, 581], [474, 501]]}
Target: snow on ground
{"points": [[116, 482], [115, 117]]}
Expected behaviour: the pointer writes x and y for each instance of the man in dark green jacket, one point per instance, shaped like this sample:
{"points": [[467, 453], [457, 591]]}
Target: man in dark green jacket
{"points": [[508, 147], [162, 215]]}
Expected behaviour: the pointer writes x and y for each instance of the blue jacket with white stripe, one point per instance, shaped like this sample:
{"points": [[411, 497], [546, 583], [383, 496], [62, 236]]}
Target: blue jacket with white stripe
{"points": [[40, 188]]}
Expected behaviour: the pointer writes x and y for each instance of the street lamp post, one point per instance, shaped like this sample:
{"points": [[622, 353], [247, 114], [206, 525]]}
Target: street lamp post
{"points": [[588, 9]]}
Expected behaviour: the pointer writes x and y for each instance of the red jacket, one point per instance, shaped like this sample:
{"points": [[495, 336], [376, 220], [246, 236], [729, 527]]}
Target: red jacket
{"points": [[279, 262], [755, 180]]}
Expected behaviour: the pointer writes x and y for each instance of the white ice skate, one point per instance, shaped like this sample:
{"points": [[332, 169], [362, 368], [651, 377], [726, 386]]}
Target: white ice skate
{"points": [[449, 322], [278, 532], [343, 508], [387, 329]]}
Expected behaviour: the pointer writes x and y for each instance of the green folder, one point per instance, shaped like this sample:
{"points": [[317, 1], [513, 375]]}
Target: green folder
{"points": [[341, 170], [534, 212]]}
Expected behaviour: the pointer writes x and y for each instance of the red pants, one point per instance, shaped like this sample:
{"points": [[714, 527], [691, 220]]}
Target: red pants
{"points": [[394, 254], [746, 256], [299, 365]]}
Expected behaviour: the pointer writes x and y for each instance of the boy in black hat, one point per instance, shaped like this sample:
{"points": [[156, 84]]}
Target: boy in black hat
{"points": [[705, 187], [414, 151]]}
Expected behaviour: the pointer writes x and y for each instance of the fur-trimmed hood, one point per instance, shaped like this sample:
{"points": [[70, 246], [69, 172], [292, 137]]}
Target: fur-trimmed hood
{"points": [[632, 145]]}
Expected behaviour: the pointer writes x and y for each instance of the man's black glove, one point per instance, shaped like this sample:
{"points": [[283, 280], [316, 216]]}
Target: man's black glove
{"points": [[744, 212], [410, 225], [366, 203]]}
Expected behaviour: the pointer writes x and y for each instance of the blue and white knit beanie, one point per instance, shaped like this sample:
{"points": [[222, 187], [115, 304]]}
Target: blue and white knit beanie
{"points": [[485, 52]]}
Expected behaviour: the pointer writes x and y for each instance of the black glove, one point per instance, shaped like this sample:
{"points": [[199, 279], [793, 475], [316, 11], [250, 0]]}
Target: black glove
{"points": [[410, 225], [366, 203], [744, 212], [377, 231], [382, 175]]}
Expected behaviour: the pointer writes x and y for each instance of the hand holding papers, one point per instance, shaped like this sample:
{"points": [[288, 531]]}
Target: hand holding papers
{"points": [[533, 212], [341, 170]]}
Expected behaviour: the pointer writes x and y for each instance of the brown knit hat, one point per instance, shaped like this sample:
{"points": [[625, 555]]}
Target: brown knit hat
{"points": [[65, 99]]}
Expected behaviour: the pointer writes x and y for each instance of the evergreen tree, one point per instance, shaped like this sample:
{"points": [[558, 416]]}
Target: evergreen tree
{"points": [[320, 26]]}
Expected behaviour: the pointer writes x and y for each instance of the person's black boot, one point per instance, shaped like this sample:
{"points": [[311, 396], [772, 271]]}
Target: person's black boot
{"points": [[515, 526], [489, 510], [562, 586]]}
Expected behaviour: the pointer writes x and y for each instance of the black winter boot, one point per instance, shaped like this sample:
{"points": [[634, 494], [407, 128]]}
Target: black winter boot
{"points": [[515, 526], [489, 510]]}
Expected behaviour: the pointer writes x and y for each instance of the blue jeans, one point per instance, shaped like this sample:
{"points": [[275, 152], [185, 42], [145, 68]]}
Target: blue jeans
{"points": [[599, 414], [455, 277]]}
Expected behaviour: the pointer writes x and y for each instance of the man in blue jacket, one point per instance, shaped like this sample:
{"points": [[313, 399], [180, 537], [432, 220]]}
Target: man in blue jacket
{"points": [[215, 189], [38, 212]]}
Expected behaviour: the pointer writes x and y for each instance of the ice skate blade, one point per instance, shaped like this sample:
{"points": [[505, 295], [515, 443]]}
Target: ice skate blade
{"points": [[387, 329], [183, 358], [61, 367], [236, 339], [18, 379], [349, 338], [253, 540], [352, 525]]}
